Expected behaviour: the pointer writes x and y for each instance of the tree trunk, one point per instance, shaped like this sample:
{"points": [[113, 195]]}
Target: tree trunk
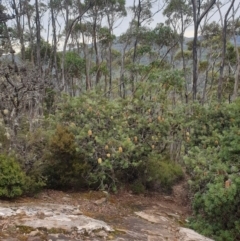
{"points": [[31, 37], [183, 57], [71, 27], [9, 43], [195, 62], [19, 28], [122, 80], [205, 87], [54, 43], [38, 29], [87, 67], [224, 40], [95, 44], [237, 74], [197, 18]]}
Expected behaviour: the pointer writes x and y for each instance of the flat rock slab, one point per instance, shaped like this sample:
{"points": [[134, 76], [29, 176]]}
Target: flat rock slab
{"points": [[152, 224], [140, 228], [186, 234], [162, 228], [51, 216], [151, 217]]}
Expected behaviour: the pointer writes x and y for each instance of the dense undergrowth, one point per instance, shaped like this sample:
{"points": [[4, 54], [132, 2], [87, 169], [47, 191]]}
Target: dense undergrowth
{"points": [[105, 144], [213, 161], [91, 142]]}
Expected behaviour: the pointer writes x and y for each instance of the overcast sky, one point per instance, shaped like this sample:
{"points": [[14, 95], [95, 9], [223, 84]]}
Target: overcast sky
{"points": [[122, 24], [159, 18]]}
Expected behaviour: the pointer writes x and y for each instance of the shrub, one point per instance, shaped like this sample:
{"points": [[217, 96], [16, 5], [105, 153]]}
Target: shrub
{"points": [[213, 162], [35, 182], [102, 143], [12, 178], [162, 174], [4, 140], [138, 187], [64, 168]]}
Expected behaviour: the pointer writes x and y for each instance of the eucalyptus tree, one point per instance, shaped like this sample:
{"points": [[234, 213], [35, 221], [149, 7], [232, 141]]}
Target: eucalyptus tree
{"points": [[68, 34], [125, 40], [236, 31], [163, 39], [38, 33], [105, 43], [224, 44], [179, 17], [30, 10], [53, 6], [151, 55], [199, 10], [211, 43], [95, 16], [28, 26], [113, 10], [82, 36], [74, 65], [85, 29], [6, 45], [142, 13], [18, 7]]}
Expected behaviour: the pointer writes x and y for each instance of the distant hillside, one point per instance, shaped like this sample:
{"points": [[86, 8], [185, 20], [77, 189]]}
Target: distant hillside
{"points": [[231, 40], [116, 45], [119, 46]]}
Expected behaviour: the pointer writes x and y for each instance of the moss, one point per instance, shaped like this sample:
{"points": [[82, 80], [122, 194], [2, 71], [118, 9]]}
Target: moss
{"points": [[57, 230], [22, 238], [25, 229]]}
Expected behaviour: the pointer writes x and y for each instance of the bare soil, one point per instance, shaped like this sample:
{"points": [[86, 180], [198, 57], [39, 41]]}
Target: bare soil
{"points": [[116, 210]]}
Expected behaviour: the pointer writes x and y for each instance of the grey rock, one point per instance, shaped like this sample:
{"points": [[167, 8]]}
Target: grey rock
{"points": [[101, 201], [34, 239], [20, 212], [33, 233], [173, 215], [157, 223], [50, 216], [77, 212], [151, 218], [101, 234], [67, 199], [186, 234], [155, 238]]}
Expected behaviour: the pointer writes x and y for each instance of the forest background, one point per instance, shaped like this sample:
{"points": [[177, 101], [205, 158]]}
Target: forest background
{"points": [[82, 108]]}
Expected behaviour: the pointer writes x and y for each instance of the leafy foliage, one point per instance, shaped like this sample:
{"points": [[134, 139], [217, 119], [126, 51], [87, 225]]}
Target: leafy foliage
{"points": [[45, 52], [213, 162], [12, 178], [107, 143], [65, 168], [74, 64]]}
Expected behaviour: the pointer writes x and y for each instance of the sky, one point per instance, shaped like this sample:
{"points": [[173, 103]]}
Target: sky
{"points": [[122, 24], [159, 18]]}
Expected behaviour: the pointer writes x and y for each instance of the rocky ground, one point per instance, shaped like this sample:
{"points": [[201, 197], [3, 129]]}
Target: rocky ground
{"points": [[96, 216]]}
